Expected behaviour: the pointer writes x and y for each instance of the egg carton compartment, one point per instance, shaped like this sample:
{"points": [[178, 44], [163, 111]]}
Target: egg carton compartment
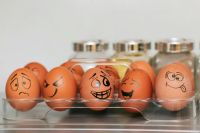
{"points": [[74, 110]]}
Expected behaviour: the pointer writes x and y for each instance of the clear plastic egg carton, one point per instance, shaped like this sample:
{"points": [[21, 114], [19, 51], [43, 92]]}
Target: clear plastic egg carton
{"points": [[148, 109], [154, 111]]}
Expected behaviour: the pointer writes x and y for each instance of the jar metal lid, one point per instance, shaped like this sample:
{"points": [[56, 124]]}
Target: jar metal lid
{"points": [[90, 46], [174, 45], [138, 45]]}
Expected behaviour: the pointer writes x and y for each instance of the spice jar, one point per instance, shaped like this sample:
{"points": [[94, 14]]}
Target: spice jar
{"points": [[173, 50], [127, 52]]}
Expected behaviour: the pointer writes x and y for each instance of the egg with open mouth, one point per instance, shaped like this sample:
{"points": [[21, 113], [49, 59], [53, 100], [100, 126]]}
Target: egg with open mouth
{"points": [[135, 90], [174, 86], [96, 89]]}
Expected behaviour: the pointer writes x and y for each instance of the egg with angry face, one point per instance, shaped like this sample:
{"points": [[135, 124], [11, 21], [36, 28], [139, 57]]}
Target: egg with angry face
{"points": [[174, 86], [22, 89], [135, 90], [59, 89], [97, 89]]}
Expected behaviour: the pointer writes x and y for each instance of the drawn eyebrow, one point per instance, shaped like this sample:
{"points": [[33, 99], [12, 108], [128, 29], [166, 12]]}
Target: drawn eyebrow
{"points": [[179, 73], [24, 74], [93, 75], [104, 74], [14, 76]]}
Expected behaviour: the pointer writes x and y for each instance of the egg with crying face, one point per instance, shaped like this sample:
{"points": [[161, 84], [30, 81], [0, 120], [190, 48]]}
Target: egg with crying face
{"points": [[22, 89], [174, 86], [135, 90], [59, 89], [97, 89]]}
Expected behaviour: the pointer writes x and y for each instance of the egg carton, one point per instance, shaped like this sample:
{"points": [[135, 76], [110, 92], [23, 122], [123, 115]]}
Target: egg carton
{"points": [[150, 109], [154, 111]]}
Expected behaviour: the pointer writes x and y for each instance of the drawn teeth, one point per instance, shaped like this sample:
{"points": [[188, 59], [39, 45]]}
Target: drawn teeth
{"points": [[102, 94]]}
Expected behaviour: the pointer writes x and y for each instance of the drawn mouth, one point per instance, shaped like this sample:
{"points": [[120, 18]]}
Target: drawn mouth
{"points": [[23, 93], [102, 94], [127, 95], [182, 87], [54, 93]]}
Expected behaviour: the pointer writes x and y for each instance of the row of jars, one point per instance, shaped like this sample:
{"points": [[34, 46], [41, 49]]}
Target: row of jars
{"points": [[168, 51]]}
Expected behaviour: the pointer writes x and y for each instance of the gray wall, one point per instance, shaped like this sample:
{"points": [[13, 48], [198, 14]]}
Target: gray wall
{"points": [[43, 30]]}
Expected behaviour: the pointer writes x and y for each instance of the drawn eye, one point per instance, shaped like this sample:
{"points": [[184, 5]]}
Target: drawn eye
{"points": [[14, 85], [26, 83], [179, 77], [46, 84], [106, 82], [171, 76], [95, 83], [58, 82]]}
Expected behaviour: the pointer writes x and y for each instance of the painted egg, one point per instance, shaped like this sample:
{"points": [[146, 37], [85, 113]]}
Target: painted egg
{"points": [[38, 70], [136, 90], [97, 89], [174, 86], [59, 89], [145, 67], [22, 89], [112, 72]]}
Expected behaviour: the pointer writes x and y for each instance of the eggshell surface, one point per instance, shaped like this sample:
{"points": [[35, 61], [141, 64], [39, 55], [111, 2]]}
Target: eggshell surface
{"points": [[97, 89], [145, 67], [174, 86], [22, 89], [112, 72], [71, 65], [136, 90], [38, 70], [59, 89]]}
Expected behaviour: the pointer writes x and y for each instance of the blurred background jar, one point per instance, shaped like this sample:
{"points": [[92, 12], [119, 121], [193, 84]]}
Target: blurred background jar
{"points": [[174, 50], [129, 51], [90, 52]]}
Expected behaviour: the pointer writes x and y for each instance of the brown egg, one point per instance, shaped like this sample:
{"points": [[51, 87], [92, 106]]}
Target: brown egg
{"points": [[22, 89], [97, 89], [72, 66], [76, 70], [136, 90], [38, 70], [112, 72], [59, 89], [174, 86], [145, 67]]}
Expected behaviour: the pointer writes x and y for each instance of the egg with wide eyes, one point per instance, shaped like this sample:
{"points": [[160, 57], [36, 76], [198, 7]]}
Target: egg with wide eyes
{"points": [[59, 89], [135, 90], [97, 89], [174, 86], [143, 65], [38, 70], [22, 89], [113, 74]]}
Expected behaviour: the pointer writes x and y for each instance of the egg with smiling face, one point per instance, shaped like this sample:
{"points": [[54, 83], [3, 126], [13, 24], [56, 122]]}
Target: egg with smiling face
{"points": [[22, 89], [135, 90], [174, 86], [59, 89], [97, 88]]}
